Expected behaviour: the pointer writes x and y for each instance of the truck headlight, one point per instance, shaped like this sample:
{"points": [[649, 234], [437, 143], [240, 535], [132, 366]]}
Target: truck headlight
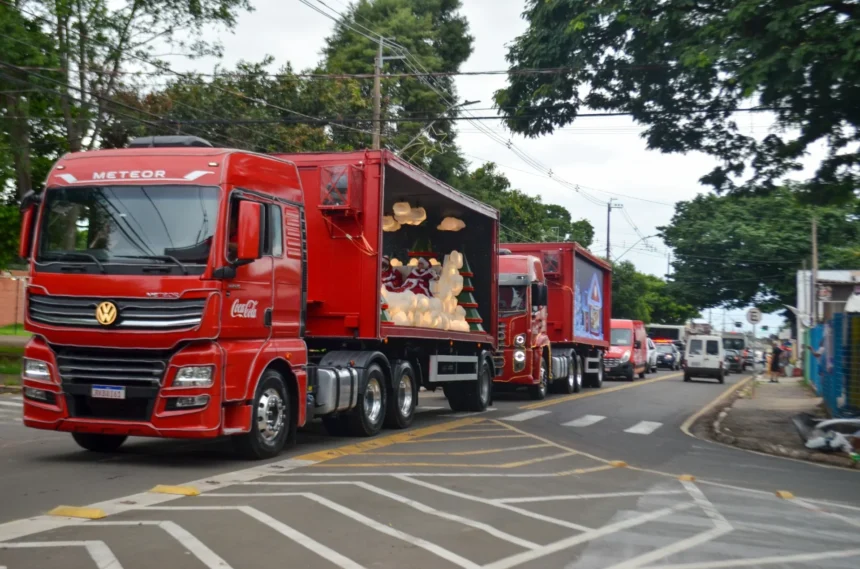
{"points": [[36, 369], [194, 376], [520, 340], [626, 357], [519, 360]]}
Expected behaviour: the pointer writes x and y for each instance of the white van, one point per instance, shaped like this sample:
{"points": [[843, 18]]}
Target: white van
{"points": [[705, 357]]}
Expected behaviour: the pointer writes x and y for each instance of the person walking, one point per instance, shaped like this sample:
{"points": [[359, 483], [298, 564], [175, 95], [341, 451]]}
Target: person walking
{"points": [[775, 360]]}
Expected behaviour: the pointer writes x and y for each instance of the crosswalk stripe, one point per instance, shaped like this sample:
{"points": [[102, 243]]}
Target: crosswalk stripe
{"points": [[14, 403], [644, 428], [525, 415], [584, 421]]}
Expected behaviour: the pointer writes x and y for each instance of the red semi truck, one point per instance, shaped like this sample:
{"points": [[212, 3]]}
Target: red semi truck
{"points": [[181, 290], [554, 314]]}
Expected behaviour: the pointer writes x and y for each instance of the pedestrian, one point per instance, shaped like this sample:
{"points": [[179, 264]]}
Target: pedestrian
{"points": [[775, 360]]}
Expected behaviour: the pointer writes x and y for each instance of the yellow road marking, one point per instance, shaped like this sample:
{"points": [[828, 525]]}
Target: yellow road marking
{"points": [[601, 391], [505, 465], [685, 428], [177, 490], [618, 464], [687, 478], [784, 494], [76, 512], [450, 439], [389, 440], [457, 453]]}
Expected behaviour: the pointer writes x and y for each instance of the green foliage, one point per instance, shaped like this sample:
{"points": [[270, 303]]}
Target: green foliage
{"points": [[438, 38], [680, 67], [739, 250], [628, 287], [524, 218], [10, 220]]}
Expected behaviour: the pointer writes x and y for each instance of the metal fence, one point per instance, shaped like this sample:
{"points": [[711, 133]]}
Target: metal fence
{"points": [[835, 370]]}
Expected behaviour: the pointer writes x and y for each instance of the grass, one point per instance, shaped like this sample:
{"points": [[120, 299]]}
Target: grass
{"points": [[10, 330], [10, 365]]}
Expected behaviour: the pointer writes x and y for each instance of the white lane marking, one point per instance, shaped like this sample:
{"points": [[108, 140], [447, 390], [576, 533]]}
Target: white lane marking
{"points": [[644, 428], [98, 550], [834, 515], [17, 403], [396, 497], [584, 421], [672, 548], [488, 502], [180, 534], [591, 535], [526, 415], [773, 560], [280, 527], [707, 506], [585, 496]]}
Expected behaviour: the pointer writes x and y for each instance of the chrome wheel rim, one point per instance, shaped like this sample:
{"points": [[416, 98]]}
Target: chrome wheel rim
{"points": [[484, 387], [579, 375], [372, 400], [571, 374], [271, 415], [404, 395]]}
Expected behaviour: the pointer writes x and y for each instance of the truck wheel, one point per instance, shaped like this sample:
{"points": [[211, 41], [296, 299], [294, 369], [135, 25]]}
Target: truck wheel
{"points": [[472, 396], [270, 421], [722, 377], [366, 419], [454, 395], [538, 392], [99, 443], [402, 399], [686, 377], [576, 363], [595, 379], [571, 383]]}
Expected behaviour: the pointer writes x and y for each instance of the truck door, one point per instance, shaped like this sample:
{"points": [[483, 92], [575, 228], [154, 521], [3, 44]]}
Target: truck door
{"points": [[695, 354], [287, 317], [248, 297]]}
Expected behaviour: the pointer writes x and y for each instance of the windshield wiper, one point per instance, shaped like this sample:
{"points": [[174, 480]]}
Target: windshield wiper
{"points": [[80, 254], [157, 258]]}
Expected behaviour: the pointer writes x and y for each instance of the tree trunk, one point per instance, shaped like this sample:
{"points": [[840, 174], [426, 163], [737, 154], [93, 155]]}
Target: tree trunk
{"points": [[19, 140]]}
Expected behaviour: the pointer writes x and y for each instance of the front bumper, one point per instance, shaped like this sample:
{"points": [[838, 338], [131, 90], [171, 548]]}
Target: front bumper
{"points": [[620, 370], [145, 409]]}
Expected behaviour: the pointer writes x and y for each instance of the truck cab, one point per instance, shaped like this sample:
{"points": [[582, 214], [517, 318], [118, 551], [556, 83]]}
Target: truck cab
{"points": [[523, 340]]}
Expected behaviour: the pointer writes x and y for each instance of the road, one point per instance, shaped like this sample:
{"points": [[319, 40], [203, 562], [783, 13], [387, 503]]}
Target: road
{"points": [[604, 478]]}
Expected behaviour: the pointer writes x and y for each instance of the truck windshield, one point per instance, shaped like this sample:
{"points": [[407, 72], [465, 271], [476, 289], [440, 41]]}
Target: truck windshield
{"points": [[128, 229], [512, 300], [621, 337]]}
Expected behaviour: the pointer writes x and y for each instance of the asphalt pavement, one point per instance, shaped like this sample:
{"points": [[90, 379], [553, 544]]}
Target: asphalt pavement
{"points": [[604, 478]]}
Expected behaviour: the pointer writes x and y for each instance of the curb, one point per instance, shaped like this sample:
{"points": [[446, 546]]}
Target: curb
{"points": [[13, 389], [715, 434]]}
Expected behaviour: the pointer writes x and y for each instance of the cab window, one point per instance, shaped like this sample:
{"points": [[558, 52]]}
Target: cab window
{"points": [[272, 232]]}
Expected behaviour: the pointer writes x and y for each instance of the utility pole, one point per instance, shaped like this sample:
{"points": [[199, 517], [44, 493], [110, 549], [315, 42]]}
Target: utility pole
{"points": [[668, 263], [377, 97], [814, 270], [609, 207]]}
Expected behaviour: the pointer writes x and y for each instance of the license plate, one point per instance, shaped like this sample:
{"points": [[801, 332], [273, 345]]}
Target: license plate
{"points": [[608, 369], [108, 392]]}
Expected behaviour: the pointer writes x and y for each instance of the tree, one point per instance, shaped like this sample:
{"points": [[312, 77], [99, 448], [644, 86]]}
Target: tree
{"points": [[524, 218], [734, 251], [683, 67], [436, 37], [628, 292], [664, 306]]}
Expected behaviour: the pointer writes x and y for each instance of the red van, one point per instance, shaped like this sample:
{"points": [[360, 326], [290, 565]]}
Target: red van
{"points": [[628, 350]]}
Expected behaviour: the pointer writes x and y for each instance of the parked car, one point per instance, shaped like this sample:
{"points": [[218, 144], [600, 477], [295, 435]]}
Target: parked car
{"points": [[652, 356], [734, 361], [705, 357], [668, 356]]}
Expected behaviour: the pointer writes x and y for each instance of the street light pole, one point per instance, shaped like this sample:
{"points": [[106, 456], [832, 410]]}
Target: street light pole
{"points": [[631, 247], [609, 207], [430, 124]]}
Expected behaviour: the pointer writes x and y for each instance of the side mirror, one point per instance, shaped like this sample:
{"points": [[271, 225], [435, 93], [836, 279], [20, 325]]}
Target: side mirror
{"points": [[248, 236], [28, 216], [539, 294]]}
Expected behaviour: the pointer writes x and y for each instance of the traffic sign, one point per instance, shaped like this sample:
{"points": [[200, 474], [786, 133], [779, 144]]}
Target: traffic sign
{"points": [[753, 315]]}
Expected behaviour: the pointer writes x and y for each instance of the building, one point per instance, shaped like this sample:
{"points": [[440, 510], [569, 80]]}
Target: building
{"points": [[834, 289]]}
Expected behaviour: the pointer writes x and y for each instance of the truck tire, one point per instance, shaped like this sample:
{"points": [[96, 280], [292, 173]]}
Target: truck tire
{"points": [[539, 391], [402, 399], [578, 376], [99, 443], [569, 383], [471, 396], [642, 373], [722, 377], [270, 420], [366, 419]]}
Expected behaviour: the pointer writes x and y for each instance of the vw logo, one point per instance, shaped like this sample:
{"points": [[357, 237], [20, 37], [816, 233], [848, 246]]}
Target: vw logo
{"points": [[106, 313]]}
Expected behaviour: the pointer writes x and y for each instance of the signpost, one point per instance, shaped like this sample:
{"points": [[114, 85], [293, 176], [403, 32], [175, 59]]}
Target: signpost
{"points": [[754, 317]]}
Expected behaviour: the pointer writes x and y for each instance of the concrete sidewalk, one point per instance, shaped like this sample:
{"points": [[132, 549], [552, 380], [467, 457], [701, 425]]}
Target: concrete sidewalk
{"points": [[759, 419], [18, 341]]}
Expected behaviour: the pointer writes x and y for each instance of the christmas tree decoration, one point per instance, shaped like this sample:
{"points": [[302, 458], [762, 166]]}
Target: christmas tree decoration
{"points": [[422, 248], [467, 300]]}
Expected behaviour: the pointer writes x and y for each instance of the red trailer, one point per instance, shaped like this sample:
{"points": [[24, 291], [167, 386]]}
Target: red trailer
{"points": [[181, 290], [577, 322]]}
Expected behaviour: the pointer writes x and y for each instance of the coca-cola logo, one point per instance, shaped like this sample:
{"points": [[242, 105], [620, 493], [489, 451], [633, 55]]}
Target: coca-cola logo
{"points": [[246, 309]]}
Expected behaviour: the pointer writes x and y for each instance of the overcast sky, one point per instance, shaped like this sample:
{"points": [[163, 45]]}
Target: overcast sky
{"points": [[606, 157]]}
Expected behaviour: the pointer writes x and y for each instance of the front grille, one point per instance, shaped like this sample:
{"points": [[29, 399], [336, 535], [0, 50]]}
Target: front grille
{"points": [[137, 313], [502, 333], [611, 362], [111, 366]]}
